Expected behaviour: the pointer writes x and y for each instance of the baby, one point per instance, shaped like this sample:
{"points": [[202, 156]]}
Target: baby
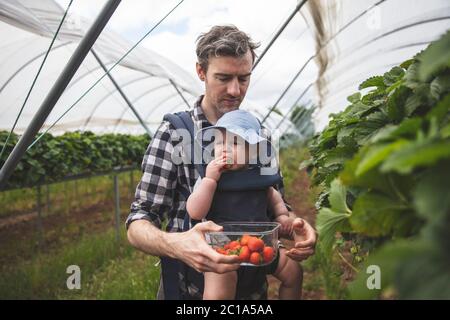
{"points": [[234, 149]]}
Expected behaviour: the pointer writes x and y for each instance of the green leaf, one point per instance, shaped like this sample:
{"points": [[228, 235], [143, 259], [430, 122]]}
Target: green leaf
{"points": [[376, 81], [406, 129], [445, 132], [396, 103], [416, 154], [338, 197], [440, 86], [376, 154], [434, 279], [354, 97], [411, 79], [407, 63], [431, 196], [375, 214], [393, 76], [328, 223], [441, 109], [435, 57], [372, 179], [388, 259]]}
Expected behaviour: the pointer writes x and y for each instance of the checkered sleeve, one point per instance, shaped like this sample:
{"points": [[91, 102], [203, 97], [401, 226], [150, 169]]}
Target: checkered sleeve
{"points": [[154, 193]]}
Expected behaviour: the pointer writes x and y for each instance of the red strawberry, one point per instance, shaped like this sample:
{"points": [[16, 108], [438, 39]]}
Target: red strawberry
{"points": [[244, 254], [244, 239], [221, 250], [233, 245], [255, 244], [268, 254], [255, 258]]}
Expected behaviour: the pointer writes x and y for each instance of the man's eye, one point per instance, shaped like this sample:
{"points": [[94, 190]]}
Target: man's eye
{"points": [[243, 80], [223, 79]]}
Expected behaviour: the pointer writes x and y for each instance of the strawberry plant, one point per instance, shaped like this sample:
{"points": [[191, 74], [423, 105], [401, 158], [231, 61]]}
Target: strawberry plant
{"points": [[73, 153], [384, 167]]}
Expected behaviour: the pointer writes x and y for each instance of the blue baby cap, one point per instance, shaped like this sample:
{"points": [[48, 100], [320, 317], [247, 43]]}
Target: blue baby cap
{"points": [[241, 123]]}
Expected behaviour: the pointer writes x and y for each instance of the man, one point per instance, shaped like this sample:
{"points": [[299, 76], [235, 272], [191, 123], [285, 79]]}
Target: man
{"points": [[225, 59]]}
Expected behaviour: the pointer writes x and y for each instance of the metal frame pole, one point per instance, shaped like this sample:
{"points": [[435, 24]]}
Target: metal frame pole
{"points": [[275, 37], [117, 205], [125, 98], [285, 90], [58, 88], [179, 92]]}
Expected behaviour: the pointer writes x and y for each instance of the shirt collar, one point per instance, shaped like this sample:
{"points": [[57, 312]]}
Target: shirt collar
{"points": [[199, 115]]}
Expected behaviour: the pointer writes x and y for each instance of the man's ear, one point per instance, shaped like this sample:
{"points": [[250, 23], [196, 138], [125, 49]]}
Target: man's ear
{"points": [[200, 72]]}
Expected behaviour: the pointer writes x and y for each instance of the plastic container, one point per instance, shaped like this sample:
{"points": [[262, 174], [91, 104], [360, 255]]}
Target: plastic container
{"points": [[235, 231]]}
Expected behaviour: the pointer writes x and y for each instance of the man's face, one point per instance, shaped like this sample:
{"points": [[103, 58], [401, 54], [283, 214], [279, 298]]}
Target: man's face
{"points": [[226, 81]]}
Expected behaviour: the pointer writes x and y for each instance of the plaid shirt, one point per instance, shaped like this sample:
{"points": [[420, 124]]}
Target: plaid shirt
{"points": [[159, 194]]}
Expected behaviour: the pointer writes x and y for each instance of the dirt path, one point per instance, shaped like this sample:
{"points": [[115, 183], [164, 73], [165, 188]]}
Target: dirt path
{"points": [[299, 196]]}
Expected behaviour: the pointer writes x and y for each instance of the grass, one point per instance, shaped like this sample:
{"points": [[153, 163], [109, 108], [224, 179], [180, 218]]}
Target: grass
{"points": [[133, 277], [302, 197], [75, 233], [110, 269]]}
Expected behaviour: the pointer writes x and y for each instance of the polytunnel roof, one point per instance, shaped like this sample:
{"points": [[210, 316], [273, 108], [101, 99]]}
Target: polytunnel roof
{"points": [[357, 39], [367, 38], [26, 29]]}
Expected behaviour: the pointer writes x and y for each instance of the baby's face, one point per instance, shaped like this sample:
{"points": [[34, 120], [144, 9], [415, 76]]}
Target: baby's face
{"points": [[235, 148]]}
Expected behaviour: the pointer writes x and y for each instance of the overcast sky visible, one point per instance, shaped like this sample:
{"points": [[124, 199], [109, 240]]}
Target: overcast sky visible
{"points": [[175, 37]]}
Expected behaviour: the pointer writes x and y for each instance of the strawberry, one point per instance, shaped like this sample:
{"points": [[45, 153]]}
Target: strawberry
{"points": [[233, 244], [244, 239], [255, 244], [255, 258], [268, 254], [244, 254], [221, 250]]}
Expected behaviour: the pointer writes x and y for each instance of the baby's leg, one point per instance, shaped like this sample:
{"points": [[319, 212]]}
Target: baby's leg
{"points": [[290, 273], [220, 286]]}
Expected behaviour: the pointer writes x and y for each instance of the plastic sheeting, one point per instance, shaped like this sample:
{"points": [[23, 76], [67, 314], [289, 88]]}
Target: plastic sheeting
{"points": [[357, 39], [372, 36], [147, 78]]}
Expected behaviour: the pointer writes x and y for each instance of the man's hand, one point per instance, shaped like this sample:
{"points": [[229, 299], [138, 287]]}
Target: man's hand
{"points": [[305, 238], [192, 249]]}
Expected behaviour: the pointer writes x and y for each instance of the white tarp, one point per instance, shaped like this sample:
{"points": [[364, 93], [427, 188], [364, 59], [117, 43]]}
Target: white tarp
{"points": [[372, 42], [26, 30]]}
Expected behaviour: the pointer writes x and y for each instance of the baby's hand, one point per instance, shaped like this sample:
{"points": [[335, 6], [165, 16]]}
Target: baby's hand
{"points": [[286, 227], [215, 168]]}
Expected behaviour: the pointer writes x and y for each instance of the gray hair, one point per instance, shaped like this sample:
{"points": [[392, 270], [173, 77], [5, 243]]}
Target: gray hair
{"points": [[222, 41]]}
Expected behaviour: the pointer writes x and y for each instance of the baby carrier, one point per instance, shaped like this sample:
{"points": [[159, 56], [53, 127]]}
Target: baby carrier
{"points": [[240, 196]]}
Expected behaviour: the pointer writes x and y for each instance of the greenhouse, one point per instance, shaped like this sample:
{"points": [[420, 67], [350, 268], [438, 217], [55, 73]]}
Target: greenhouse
{"points": [[354, 96]]}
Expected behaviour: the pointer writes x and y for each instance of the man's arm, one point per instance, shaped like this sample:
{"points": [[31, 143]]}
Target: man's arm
{"points": [[189, 247], [154, 193]]}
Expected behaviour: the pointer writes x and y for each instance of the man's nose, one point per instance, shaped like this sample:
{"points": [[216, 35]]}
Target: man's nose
{"points": [[233, 88]]}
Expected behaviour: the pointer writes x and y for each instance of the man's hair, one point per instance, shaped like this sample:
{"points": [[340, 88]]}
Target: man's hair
{"points": [[223, 41]]}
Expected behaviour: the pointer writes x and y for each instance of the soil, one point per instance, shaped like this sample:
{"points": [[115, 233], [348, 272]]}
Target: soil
{"points": [[299, 198]]}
